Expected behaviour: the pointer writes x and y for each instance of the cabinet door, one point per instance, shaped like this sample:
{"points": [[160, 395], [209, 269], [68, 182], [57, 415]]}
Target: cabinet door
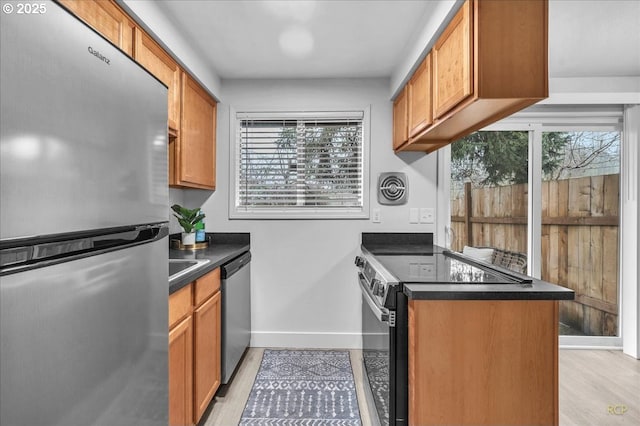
{"points": [[107, 19], [419, 87], [476, 370], [173, 159], [196, 153], [207, 353], [181, 374], [452, 62], [400, 134], [205, 286], [153, 57], [180, 305]]}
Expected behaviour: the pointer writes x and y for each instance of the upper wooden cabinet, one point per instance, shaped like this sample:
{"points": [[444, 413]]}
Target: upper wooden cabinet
{"points": [[106, 18], [195, 151], [419, 91], [153, 57], [452, 63], [191, 117], [191, 111], [490, 62], [400, 117]]}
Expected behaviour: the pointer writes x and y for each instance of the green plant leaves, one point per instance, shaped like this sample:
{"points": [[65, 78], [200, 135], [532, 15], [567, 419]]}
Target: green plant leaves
{"points": [[187, 218]]}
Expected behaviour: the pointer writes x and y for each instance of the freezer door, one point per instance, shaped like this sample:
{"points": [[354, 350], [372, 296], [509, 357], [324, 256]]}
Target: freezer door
{"points": [[85, 342], [83, 139]]}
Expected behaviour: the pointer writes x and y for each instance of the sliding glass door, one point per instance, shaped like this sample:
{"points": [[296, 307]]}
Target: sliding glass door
{"points": [[580, 223], [545, 187], [489, 195]]}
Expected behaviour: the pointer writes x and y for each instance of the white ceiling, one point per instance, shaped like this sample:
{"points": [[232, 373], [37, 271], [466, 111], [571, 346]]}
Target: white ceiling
{"points": [[594, 38], [242, 39], [360, 38]]}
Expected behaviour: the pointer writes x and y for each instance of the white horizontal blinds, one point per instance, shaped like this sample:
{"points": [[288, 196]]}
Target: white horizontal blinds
{"points": [[300, 162]]}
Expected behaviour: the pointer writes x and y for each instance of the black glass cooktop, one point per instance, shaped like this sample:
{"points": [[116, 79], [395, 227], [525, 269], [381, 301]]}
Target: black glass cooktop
{"points": [[440, 269]]}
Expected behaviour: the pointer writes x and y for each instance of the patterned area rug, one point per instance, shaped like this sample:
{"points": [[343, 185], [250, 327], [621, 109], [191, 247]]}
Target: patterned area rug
{"points": [[303, 388], [376, 365]]}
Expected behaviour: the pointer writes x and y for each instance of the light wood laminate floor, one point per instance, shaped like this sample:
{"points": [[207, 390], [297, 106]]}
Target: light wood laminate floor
{"points": [[594, 386]]}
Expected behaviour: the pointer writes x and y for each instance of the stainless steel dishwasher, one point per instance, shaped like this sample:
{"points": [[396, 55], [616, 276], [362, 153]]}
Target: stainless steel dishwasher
{"points": [[236, 312]]}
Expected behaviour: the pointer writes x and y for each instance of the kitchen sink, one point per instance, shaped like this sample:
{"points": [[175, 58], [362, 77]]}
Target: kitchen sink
{"points": [[180, 267]]}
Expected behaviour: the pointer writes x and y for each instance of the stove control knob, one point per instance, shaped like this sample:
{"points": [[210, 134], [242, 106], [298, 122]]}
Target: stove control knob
{"points": [[379, 291], [359, 261]]}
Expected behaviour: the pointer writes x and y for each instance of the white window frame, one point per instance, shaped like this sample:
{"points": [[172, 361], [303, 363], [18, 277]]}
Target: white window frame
{"points": [[292, 212]]}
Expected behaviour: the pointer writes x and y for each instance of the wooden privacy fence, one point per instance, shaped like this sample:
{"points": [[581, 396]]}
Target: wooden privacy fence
{"points": [[580, 222]]}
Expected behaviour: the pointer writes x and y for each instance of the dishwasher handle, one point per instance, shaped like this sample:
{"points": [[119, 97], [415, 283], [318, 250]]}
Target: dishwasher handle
{"points": [[235, 265]]}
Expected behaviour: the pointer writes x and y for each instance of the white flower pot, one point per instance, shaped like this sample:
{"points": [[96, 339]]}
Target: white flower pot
{"points": [[188, 239]]}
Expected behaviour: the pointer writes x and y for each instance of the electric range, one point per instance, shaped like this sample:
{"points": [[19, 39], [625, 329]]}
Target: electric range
{"points": [[385, 264]]}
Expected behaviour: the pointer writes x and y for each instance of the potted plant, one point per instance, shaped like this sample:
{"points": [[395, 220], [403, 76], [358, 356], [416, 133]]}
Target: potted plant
{"points": [[187, 218]]}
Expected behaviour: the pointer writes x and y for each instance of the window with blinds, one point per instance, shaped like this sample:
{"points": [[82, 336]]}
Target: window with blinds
{"points": [[301, 165]]}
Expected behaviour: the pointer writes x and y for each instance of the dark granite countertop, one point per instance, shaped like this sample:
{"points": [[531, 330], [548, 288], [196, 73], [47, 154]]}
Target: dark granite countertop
{"points": [[387, 246], [223, 247], [395, 243], [538, 290]]}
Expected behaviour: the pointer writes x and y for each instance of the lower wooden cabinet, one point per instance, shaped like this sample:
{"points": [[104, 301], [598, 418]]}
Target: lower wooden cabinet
{"points": [[483, 362], [181, 373], [194, 348], [206, 353]]}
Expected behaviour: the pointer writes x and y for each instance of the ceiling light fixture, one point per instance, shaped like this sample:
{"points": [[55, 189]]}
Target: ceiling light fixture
{"points": [[296, 41]]}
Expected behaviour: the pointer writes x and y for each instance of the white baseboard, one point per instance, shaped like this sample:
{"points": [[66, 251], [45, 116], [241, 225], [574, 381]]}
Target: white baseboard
{"points": [[590, 342], [309, 340]]}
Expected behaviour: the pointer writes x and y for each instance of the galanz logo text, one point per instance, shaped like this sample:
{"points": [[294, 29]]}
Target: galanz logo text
{"points": [[99, 55]]}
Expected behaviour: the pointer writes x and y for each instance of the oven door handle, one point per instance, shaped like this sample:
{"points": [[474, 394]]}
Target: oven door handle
{"points": [[381, 313]]}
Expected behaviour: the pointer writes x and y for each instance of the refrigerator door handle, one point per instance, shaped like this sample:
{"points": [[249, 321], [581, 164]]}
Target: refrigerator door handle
{"points": [[64, 248]]}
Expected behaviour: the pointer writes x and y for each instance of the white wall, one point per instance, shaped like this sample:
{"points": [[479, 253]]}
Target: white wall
{"points": [[304, 291], [593, 90], [176, 196]]}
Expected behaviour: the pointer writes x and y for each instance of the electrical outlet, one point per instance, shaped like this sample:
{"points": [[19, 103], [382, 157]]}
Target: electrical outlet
{"points": [[413, 215], [427, 215], [376, 216]]}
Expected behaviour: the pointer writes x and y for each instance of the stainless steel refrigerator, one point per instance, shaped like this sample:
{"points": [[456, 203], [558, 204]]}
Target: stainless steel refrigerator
{"points": [[83, 228]]}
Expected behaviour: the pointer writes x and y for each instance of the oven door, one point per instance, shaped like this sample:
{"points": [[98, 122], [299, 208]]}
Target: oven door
{"points": [[378, 354]]}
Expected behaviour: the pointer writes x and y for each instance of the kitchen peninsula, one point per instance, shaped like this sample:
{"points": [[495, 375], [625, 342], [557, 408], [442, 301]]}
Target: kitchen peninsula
{"points": [[482, 341]]}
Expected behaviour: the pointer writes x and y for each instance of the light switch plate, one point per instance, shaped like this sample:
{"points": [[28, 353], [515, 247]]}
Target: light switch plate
{"points": [[427, 215], [413, 215], [376, 216]]}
